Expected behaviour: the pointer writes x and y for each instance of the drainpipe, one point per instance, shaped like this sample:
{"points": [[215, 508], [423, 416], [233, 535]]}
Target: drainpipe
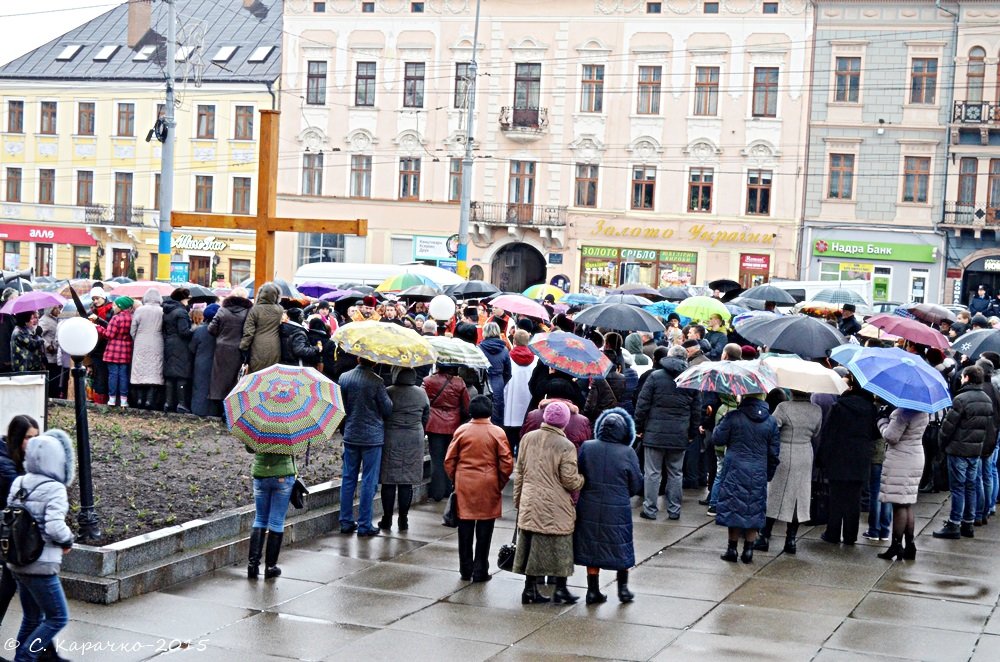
{"points": [[274, 99], [947, 152], [800, 261]]}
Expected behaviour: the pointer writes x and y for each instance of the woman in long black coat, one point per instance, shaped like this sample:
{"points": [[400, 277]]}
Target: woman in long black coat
{"points": [[227, 327], [603, 534], [177, 357], [203, 348]]}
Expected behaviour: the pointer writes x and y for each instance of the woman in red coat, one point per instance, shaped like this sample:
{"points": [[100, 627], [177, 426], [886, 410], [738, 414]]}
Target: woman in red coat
{"points": [[479, 462], [449, 408]]}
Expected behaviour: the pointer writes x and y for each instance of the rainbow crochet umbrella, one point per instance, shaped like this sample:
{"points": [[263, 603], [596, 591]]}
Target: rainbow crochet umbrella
{"points": [[539, 292], [281, 409], [401, 282]]}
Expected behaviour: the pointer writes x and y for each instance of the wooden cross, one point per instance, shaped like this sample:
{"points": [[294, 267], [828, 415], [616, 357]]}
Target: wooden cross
{"points": [[266, 222]]}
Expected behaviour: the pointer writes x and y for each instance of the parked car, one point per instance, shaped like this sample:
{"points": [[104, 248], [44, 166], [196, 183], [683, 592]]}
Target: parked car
{"points": [[885, 307]]}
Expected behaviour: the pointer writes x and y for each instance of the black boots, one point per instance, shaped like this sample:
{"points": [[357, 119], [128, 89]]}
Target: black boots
{"points": [[763, 543], [594, 595], [731, 554], [949, 531], [910, 551], [271, 569], [747, 555], [624, 595], [966, 530], [256, 547], [530, 594], [405, 499], [895, 550], [562, 594], [790, 532]]}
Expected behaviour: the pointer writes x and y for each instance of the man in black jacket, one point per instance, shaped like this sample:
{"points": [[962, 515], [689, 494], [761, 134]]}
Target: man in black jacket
{"points": [[668, 418], [848, 324], [964, 430]]}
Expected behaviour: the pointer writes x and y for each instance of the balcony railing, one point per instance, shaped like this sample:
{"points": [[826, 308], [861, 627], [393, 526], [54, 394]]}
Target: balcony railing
{"points": [[524, 118], [114, 215], [501, 213], [976, 112], [971, 214]]}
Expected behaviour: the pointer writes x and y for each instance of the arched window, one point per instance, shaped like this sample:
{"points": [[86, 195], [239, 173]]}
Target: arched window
{"points": [[975, 74]]}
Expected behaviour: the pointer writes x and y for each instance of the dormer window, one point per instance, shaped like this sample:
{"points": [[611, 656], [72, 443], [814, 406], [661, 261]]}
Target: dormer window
{"points": [[69, 53], [260, 54], [105, 53], [144, 54], [224, 54]]}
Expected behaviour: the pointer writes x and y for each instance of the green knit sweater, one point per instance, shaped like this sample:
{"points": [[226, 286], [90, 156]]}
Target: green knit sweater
{"points": [[271, 465]]}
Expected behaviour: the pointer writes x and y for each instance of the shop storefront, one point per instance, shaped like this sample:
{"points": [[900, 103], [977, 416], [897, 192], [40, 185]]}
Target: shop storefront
{"points": [[607, 267], [210, 258], [898, 271], [54, 251], [972, 262], [755, 269]]}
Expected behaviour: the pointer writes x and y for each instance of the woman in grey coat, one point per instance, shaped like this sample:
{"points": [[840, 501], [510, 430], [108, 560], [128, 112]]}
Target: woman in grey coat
{"points": [[403, 452], [903, 432], [147, 352], [789, 492], [227, 327]]}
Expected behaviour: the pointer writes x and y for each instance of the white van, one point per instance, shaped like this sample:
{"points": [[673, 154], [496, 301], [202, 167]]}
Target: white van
{"points": [[805, 290], [336, 273]]}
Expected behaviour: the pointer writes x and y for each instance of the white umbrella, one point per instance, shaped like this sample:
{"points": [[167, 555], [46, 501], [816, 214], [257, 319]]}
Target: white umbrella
{"points": [[805, 376]]}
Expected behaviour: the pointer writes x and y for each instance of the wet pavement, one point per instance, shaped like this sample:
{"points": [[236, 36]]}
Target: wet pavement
{"points": [[399, 597]]}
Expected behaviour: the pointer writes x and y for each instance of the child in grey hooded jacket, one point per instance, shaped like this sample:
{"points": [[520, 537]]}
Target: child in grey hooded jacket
{"points": [[50, 465]]}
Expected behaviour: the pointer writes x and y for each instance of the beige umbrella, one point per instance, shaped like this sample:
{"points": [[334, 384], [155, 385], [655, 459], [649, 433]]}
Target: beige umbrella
{"points": [[806, 376], [869, 331]]}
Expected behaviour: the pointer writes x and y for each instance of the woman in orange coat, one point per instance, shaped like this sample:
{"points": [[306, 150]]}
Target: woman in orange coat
{"points": [[479, 462]]}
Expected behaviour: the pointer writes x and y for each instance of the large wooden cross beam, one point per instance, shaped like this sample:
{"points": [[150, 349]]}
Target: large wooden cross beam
{"points": [[267, 222]]}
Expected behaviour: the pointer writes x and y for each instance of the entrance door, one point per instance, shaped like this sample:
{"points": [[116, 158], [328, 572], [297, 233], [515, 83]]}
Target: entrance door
{"points": [[522, 191], [119, 262], [919, 279], [200, 270], [43, 259], [516, 267]]}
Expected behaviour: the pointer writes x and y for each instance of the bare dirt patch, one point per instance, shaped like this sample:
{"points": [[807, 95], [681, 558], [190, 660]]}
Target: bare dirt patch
{"points": [[153, 470]]}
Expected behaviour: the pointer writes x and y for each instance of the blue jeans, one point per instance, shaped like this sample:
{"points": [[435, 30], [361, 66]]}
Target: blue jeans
{"points": [[879, 514], [995, 479], [118, 379], [963, 474], [720, 472], [367, 460], [984, 488], [270, 500], [43, 604]]}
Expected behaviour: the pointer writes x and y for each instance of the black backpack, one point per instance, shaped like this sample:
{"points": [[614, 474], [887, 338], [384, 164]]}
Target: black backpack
{"points": [[21, 540]]}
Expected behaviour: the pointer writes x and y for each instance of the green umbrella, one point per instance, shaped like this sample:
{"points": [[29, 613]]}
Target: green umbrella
{"points": [[700, 309]]}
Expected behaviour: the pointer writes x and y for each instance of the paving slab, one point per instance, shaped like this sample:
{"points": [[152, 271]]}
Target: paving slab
{"points": [[649, 609], [694, 585], [833, 655], [993, 625], [396, 645], [987, 649], [358, 606], [795, 596], [923, 612], [806, 570], [400, 578], [914, 581], [704, 646], [750, 621], [284, 634], [574, 635], [379, 548], [80, 640], [478, 623], [230, 586], [902, 641]]}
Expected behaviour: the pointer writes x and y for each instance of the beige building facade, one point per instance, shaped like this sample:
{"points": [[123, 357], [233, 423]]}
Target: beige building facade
{"points": [[615, 141]]}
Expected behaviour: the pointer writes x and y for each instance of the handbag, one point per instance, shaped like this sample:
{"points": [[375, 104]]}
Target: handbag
{"points": [[450, 516], [299, 489], [21, 540], [505, 557]]}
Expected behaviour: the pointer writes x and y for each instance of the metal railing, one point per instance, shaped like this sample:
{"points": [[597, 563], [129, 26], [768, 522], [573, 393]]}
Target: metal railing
{"points": [[976, 112], [970, 213], [502, 213], [114, 215], [524, 118]]}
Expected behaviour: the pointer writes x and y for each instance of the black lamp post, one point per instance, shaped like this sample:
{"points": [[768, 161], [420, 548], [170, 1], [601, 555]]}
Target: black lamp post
{"points": [[77, 337]]}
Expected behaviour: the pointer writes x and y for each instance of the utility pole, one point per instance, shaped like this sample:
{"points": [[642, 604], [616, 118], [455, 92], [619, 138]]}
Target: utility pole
{"points": [[167, 153], [463, 225]]}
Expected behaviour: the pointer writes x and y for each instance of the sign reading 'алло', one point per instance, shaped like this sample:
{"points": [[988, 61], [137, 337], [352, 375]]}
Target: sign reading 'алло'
{"points": [[873, 249]]}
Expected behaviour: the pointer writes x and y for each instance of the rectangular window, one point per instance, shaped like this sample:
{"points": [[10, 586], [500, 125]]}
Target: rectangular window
{"points": [[81, 262], [316, 247], [643, 187], [43, 259], [244, 123], [367, 7], [47, 125], [364, 84], [993, 189], [592, 88], [916, 178], [46, 187], [417, 7], [241, 195], [126, 119], [123, 198], [923, 80], [586, 185], [361, 176], [13, 185], [413, 85], [316, 83], [700, 190], [239, 271], [765, 91], [85, 118], [312, 174], [203, 185], [848, 79], [462, 84], [521, 191], [759, 192], [156, 191], [319, 7], [649, 90], [841, 177], [527, 86], [206, 122], [654, 7], [85, 188], [409, 179], [968, 173], [770, 8], [11, 255], [706, 91], [15, 117], [455, 180], [711, 8]]}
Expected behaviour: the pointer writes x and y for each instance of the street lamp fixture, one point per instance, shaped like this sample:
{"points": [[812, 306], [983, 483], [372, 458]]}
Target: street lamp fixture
{"points": [[78, 337]]}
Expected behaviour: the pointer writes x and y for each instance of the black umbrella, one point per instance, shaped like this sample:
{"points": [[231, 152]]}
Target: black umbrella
{"points": [[749, 304], [769, 293], [357, 287], [630, 299], [796, 334], [620, 317], [732, 294], [674, 293], [419, 293], [201, 294], [639, 290], [724, 285], [928, 313], [974, 343], [472, 289]]}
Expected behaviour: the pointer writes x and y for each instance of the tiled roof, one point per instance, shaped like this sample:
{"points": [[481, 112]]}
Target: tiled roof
{"points": [[224, 22]]}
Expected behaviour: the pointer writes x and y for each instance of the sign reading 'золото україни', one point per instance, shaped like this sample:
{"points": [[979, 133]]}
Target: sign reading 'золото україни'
{"points": [[698, 233]]}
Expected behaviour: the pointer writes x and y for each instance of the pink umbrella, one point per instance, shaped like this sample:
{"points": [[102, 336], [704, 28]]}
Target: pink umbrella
{"points": [[32, 301], [139, 288], [521, 305], [910, 329]]}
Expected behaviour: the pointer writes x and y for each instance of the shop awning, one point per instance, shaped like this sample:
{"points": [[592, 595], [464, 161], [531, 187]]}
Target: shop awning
{"points": [[46, 234]]}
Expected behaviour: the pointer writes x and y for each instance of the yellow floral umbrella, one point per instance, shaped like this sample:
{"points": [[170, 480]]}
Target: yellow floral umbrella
{"points": [[380, 342]]}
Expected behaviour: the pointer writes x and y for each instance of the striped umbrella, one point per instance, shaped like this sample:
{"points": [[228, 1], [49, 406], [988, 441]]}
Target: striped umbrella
{"points": [[900, 378], [838, 295], [282, 409], [401, 282], [452, 351], [730, 377]]}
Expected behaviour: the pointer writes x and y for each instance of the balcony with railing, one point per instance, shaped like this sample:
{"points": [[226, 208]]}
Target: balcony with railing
{"points": [[524, 124], [975, 216], [114, 215], [526, 216], [977, 113]]}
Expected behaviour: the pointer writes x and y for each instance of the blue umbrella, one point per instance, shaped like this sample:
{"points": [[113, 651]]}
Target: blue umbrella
{"points": [[900, 378], [843, 354], [736, 310], [664, 309], [579, 299]]}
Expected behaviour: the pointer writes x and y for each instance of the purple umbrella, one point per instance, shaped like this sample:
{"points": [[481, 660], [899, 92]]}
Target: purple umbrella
{"points": [[31, 301], [315, 288], [337, 295]]}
